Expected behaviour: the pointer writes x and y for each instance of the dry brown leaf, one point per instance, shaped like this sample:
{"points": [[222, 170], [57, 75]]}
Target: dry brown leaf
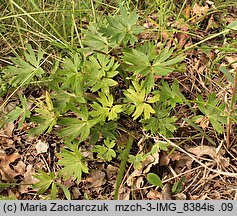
{"points": [[200, 10], [41, 147], [182, 160], [96, 178], [112, 172], [199, 197], [7, 130], [20, 167], [164, 159], [28, 179], [139, 182], [7, 172], [182, 36], [187, 11], [29, 175], [225, 162], [154, 195], [124, 193], [232, 60], [202, 150], [132, 176], [180, 196], [203, 122], [149, 162], [75, 193]]}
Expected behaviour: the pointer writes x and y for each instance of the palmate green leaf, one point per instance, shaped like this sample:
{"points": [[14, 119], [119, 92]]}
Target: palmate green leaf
{"points": [[45, 180], [144, 108], [70, 79], [113, 114], [136, 160], [144, 61], [139, 98], [75, 127], [122, 28], [107, 129], [106, 151], [78, 126], [46, 116], [100, 69], [104, 85], [105, 109], [95, 39], [73, 163], [23, 113], [72, 65], [213, 110], [23, 72], [162, 122], [138, 59], [172, 95], [135, 96]]}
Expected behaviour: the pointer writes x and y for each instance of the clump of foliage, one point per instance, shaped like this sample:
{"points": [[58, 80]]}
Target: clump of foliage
{"points": [[110, 78]]}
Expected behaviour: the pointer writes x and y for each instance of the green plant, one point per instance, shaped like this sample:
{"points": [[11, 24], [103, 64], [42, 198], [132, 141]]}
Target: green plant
{"points": [[104, 88], [85, 103], [47, 181], [137, 95], [154, 179], [213, 112], [145, 62], [73, 163], [106, 151], [177, 186], [122, 28], [23, 72], [105, 109], [46, 116], [21, 112]]}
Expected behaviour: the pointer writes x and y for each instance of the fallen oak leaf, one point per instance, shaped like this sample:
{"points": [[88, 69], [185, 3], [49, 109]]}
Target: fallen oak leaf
{"points": [[210, 151], [200, 10], [6, 171]]}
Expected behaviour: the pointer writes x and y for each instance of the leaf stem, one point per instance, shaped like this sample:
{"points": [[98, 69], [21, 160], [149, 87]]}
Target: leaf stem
{"points": [[122, 166]]}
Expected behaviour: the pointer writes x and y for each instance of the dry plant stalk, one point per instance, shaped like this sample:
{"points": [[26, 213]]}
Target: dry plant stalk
{"points": [[231, 109]]}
